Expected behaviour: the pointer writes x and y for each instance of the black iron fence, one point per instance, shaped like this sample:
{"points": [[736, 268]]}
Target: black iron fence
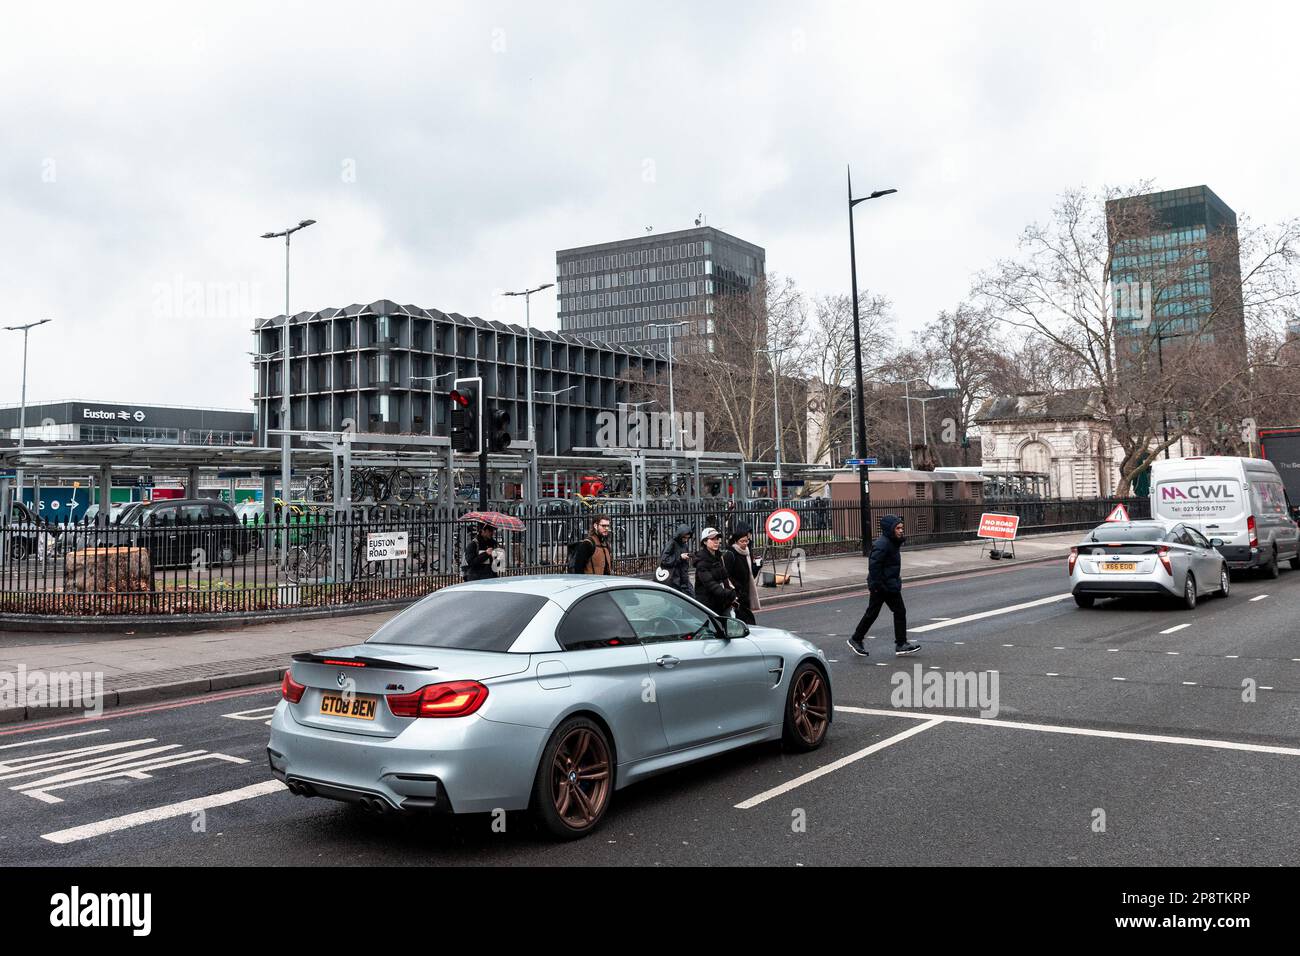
{"points": [[319, 559]]}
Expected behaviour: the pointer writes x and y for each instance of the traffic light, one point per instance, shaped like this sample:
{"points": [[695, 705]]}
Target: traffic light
{"points": [[499, 431], [467, 415]]}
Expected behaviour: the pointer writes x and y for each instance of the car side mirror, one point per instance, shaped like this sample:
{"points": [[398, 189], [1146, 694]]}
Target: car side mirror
{"points": [[733, 627], [1216, 542]]}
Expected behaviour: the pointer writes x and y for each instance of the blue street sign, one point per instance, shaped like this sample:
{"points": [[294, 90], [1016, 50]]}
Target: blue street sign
{"points": [[8, 473], [860, 461]]}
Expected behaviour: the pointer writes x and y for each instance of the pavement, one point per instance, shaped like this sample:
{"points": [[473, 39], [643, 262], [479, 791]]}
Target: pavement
{"points": [[1132, 733], [142, 668]]}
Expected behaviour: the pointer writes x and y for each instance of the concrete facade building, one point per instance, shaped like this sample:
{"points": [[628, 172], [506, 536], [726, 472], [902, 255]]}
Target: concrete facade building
{"points": [[365, 362], [1064, 439]]}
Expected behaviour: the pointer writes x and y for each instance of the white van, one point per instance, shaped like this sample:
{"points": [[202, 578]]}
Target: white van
{"points": [[1238, 503]]}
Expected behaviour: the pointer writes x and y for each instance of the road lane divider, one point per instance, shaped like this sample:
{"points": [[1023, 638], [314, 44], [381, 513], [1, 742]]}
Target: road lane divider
{"points": [[993, 613], [1206, 742], [167, 812], [835, 765]]}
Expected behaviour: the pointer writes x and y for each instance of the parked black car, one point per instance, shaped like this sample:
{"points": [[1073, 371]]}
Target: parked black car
{"points": [[26, 532], [181, 531]]}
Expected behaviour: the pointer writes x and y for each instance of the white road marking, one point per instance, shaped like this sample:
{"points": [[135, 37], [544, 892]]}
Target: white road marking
{"points": [[1050, 674], [259, 713], [1208, 743], [836, 765], [994, 613], [1231, 657], [46, 740], [1189, 683], [1259, 597], [1008, 645], [1172, 653], [1262, 687], [941, 619], [1176, 627], [1112, 650], [113, 824], [1058, 648], [1119, 678], [61, 769]]}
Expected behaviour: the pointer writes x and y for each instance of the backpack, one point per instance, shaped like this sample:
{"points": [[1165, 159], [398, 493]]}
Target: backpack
{"points": [[573, 547]]}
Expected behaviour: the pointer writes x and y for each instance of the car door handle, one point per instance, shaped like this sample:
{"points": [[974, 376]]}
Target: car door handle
{"points": [[668, 661]]}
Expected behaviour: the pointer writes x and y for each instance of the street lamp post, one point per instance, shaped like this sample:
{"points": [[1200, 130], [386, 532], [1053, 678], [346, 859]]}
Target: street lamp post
{"points": [[432, 379], [853, 411], [776, 415], [285, 414], [22, 409], [864, 474], [555, 427], [528, 322], [1160, 337], [925, 431], [432, 414]]}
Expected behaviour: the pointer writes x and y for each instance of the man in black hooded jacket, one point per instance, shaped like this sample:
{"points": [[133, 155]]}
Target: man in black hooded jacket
{"points": [[885, 584]]}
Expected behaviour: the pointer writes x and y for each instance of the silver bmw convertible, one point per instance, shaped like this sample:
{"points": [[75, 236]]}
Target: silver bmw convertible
{"points": [[545, 693]]}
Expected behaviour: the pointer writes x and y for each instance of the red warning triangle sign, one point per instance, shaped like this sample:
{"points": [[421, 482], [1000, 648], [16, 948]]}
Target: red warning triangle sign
{"points": [[1119, 514]]}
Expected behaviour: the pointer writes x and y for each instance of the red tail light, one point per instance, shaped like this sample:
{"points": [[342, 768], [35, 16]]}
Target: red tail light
{"points": [[1250, 528], [1164, 559], [290, 689], [1074, 556], [458, 698]]}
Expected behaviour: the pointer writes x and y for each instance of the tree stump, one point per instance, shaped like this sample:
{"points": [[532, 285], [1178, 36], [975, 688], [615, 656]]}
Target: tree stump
{"points": [[108, 570]]}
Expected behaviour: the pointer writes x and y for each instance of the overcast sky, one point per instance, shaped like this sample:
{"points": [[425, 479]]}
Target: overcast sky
{"points": [[448, 150]]}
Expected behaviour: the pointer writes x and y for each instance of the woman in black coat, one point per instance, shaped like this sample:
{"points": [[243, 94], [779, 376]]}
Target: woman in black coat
{"points": [[742, 570], [712, 586]]}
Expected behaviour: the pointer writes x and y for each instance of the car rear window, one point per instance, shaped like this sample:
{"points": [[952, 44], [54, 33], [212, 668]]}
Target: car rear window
{"points": [[470, 620], [1129, 533]]}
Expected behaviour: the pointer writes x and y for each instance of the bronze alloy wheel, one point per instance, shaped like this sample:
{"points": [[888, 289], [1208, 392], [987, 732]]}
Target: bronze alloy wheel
{"points": [[580, 778], [810, 706]]}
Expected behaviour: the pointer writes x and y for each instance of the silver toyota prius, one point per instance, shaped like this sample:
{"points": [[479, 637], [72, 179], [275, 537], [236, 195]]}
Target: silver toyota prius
{"points": [[545, 693], [1131, 558]]}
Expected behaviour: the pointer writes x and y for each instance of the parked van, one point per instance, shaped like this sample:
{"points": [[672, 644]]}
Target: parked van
{"points": [[1239, 502]]}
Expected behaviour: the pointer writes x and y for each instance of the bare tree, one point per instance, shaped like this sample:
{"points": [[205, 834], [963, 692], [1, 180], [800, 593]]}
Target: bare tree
{"points": [[1119, 320], [824, 360], [731, 383]]}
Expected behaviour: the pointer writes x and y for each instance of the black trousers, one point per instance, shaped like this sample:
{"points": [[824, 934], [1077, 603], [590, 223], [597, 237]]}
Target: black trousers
{"points": [[895, 601], [745, 614]]}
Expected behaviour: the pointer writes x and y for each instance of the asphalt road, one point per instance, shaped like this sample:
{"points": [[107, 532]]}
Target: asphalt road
{"points": [[1117, 740]]}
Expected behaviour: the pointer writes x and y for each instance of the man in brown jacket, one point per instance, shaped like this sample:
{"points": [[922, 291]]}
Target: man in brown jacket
{"points": [[593, 554]]}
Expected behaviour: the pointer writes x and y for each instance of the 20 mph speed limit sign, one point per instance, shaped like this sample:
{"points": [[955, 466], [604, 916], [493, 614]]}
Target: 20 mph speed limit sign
{"points": [[782, 525]]}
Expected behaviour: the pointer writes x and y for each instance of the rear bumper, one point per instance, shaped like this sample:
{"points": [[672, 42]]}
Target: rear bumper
{"points": [[1100, 588], [1240, 556], [459, 765]]}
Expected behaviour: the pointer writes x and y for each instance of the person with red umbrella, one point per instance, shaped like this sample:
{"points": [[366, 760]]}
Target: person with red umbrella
{"points": [[478, 554]]}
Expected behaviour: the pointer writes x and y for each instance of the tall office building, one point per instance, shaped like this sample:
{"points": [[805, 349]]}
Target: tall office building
{"points": [[627, 291], [1175, 269]]}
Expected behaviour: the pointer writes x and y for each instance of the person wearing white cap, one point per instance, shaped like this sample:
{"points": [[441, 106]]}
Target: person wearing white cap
{"points": [[712, 584]]}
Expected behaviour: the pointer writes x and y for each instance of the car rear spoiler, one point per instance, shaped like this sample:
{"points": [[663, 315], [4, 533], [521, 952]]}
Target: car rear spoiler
{"points": [[310, 658]]}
